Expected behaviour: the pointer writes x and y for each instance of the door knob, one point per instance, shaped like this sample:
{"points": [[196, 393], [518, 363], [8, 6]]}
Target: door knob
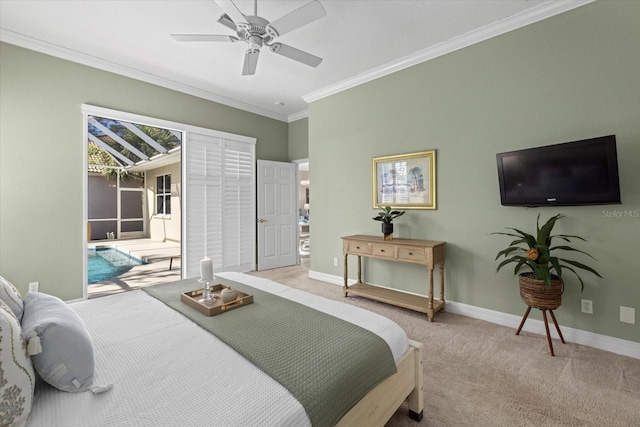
{"points": [[262, 220]]}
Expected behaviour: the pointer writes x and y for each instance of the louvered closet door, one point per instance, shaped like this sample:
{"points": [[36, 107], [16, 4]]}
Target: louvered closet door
{"points": [[219, 203], [239, 219]]}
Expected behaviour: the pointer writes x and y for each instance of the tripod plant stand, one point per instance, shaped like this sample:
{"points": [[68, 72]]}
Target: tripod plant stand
{"points": [[546, 325]]}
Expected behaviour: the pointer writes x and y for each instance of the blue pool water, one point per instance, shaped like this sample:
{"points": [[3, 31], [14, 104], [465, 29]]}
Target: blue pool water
{"points": [[103, 264]]}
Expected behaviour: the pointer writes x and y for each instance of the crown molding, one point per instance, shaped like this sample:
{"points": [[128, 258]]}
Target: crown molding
{"points": [[544, 11], [506, 25], [47, 48], [297, 116]]}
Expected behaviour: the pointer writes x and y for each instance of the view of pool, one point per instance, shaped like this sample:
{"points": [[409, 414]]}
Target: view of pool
{"points": [[106, 263]]}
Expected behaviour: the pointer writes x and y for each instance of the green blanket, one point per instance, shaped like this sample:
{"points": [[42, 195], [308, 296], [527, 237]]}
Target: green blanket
{"points": [[328, 364]]}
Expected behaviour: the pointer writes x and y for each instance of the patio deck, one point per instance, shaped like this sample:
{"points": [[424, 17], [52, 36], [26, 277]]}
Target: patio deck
{"points": [[158, 256]]}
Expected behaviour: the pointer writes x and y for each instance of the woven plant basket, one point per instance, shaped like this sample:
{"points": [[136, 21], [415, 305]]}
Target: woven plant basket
{"points": [[535, 293]]}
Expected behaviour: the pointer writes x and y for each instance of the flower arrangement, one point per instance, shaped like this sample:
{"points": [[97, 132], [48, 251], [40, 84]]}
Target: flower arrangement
{"points": [[536, 253]]}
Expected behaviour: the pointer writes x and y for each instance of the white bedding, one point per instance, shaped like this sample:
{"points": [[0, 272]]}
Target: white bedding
{"points": [[166, 371]]}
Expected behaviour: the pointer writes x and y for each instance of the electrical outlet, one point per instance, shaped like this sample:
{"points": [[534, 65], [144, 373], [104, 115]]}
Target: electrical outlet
{"points": [[628, 315], [33, 286], [587, 306], [335, 262]]}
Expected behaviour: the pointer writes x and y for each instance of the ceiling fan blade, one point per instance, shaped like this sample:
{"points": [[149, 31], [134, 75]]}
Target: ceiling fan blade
{"points": [[203, 38], [296, 19], [231, 10], [250, 62], [226, 21], [295, 54]]}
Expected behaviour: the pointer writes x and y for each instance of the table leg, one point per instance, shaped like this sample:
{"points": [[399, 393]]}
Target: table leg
{"points": [[345, 287], [359, 269], [442, 285], [430, 311]]}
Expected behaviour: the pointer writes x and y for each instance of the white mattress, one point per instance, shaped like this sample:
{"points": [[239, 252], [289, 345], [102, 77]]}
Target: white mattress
{"points": [[166, 371]]}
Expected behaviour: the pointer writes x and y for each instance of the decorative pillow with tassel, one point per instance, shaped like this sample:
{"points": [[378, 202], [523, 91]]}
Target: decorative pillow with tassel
{"points": [[58, 342]]}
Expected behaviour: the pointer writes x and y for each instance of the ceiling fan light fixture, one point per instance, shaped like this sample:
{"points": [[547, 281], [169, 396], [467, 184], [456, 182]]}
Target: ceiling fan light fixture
{"points": [[254, 42]]}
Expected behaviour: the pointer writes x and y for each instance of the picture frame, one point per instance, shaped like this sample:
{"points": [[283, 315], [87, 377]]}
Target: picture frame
{"points": [[405, 181]]}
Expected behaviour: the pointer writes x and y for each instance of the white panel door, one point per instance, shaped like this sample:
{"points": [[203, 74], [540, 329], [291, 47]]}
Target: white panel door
{"points": [[277, 215]]}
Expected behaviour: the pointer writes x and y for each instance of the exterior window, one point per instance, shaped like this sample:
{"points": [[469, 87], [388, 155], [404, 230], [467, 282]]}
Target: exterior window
{"points": [[163, 195]]}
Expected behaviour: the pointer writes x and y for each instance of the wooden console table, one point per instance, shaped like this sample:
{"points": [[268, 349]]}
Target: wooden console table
{"points": [[423, 252]]}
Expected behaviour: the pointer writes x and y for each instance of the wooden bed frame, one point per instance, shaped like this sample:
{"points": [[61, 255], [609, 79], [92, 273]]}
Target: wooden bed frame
{"points": [[382, 402]]}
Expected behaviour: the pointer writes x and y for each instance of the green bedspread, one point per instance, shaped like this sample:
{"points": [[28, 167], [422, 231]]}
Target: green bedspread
{"points": [[328, 364]]}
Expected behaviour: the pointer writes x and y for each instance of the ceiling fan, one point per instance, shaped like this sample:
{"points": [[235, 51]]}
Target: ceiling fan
{"points": [[256, 32]]}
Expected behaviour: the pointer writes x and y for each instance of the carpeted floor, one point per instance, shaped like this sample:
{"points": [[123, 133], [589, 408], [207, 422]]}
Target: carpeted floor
{"points": [[481, 374]]}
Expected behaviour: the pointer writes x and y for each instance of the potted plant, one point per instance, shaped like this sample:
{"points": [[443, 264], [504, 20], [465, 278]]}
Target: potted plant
{"points": [[387, 216], [542, 286]]}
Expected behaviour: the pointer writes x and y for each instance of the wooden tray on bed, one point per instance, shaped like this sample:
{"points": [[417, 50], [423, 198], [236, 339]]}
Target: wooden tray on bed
{"points": [[216, 306]]}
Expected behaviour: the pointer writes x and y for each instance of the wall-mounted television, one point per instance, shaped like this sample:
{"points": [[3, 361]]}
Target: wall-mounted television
{"points": [[581, 172]]}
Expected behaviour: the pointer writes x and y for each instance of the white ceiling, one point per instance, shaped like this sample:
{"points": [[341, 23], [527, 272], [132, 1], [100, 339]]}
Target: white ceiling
{"points": [[358, 40]]}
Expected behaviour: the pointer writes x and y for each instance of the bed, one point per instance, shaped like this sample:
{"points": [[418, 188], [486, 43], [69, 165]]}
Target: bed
{"points": [[154, 365]]}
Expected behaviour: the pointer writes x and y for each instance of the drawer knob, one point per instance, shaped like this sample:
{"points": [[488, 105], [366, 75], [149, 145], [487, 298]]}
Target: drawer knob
{"points": [[381, 250], [357, 247], [410, 253]]}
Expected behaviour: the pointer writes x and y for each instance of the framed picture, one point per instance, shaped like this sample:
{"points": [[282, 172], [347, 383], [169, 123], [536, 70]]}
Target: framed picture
{"points": [[406, 181]]}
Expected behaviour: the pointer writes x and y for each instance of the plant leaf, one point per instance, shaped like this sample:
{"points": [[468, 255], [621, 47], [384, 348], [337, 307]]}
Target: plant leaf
{"points": [[578, 276], [507, 251], [569, 248], [516, 259], [580, 265], [528, 238], [545, 231]]}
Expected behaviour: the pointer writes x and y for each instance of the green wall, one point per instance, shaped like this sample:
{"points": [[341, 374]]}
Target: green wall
{"points": [[569, 77], [299, 139], [41, 156]]}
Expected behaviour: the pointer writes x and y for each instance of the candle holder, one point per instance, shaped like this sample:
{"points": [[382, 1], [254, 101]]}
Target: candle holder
{"points": [[207, 295]]}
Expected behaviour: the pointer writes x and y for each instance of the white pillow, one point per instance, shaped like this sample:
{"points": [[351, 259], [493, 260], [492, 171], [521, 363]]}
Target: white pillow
{"points": [[17, 378], [11, 296], [66, 357]]}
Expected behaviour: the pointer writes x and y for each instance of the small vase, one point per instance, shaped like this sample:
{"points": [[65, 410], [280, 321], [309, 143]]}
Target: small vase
{"points": [[227, 295], [387, 231]]}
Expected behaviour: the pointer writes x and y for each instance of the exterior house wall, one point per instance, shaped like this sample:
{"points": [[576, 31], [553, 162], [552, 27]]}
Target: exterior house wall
{"points": [[101, 204], [162, 227]]}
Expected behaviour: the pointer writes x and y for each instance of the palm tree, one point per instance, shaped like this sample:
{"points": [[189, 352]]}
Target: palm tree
{"points": [[417, 180]]}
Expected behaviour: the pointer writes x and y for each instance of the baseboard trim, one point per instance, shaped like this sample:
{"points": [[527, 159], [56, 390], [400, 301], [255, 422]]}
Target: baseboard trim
{"points": [[577, 336]]}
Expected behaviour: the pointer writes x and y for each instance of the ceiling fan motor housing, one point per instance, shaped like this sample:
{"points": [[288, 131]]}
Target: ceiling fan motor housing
{"points": [[254, 31]]}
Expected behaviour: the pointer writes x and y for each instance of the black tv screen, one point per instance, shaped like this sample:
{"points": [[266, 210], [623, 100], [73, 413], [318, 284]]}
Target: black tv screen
{"points": [[573, 173]]}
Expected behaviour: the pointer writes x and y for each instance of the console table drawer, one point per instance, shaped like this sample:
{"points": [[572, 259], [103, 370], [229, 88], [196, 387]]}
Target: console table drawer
{"points": [[357, 248], [407, 253], [382, 251]]}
